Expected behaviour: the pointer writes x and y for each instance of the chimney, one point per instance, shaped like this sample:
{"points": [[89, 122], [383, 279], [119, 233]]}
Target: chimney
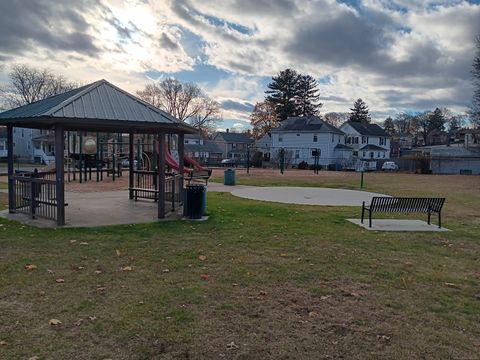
{"points": [[228, 130]]}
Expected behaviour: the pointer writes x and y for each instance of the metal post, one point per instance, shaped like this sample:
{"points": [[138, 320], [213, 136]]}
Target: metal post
{"points": [[248, 159], [68, 156], [85, 161], [11, 181], [80, 157], [161, 175], [130, 165], [74, 140], [113, 160], [60, 174], [282, 160], [181, 155], [98, 158]]}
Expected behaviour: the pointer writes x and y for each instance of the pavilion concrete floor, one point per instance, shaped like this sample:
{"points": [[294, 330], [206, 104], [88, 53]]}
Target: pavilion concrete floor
{"points": [[90, 209]]}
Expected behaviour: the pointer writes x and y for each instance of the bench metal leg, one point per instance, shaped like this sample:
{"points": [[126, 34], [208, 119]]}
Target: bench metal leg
{"points": [[439, 219], [428, 221], [370, 218], [363, 211]]}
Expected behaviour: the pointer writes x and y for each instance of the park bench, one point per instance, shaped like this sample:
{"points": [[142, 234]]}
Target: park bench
{"points": [[404, 205], [199, 175]]}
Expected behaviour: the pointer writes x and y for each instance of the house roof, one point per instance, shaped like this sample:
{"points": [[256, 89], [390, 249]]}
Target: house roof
{"points": [[231, 137], [368, 129], [306, 124], [207, 146], [372, 147], [342, 147], [99, 106]]}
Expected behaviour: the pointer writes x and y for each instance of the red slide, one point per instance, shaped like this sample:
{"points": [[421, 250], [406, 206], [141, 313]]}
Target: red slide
{"points": [[170, 161], [196, 165]]}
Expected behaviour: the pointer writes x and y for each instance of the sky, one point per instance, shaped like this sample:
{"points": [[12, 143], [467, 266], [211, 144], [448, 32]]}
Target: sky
{"points": [[396, 55]]}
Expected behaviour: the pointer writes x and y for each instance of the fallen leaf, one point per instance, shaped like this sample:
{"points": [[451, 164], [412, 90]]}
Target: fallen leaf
{"points": [[166, 270], [60, 281], [3, 343], [202, 258], [325, 297], [73, 241], [232, 346], [205, 277], [283, 254], [50, 271], [452, 285], [118, 252], [263, 293], [312, 314], [41, 292], [83, 243], [30, 267], [92, 318], [127, 268], [97, 272], [34, 358], [79, 322], [54, 322]]}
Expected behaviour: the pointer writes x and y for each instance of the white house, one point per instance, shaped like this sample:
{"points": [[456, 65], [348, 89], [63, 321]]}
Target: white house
{"points": [[302, 137], [34, 145], [369, 141]]}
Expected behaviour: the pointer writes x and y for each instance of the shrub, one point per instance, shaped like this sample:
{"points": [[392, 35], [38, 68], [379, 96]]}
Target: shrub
{"points": [[303, 165]]}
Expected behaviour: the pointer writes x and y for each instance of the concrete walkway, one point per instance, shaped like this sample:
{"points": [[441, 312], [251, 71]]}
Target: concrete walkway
{"points": [[398, 225], [306, 195]]}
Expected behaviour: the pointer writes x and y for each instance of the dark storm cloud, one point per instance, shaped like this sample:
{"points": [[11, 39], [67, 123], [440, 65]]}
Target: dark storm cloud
{"points": [[266, 7], [167, 42], [237, 105], [342, 40], [26, 25]]}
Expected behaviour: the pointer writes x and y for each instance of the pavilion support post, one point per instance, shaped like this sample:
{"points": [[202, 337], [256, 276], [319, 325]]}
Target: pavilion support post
{"points": [[11, 182], [161, 175], [60, 174], [181, 153], [131, 179]]}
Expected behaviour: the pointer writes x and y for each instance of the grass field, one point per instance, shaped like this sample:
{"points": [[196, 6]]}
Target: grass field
{"points": [[255, 281]]}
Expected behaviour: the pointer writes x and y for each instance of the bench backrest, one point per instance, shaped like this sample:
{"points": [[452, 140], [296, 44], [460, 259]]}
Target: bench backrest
{"points": [[406, 204]]}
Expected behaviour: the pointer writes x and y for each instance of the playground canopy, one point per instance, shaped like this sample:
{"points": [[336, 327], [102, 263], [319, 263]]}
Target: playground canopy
{"points": [[97, 107]]}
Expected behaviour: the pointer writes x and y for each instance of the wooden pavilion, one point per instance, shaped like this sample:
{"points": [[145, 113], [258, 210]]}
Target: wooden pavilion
{"points": [[97, 107]]}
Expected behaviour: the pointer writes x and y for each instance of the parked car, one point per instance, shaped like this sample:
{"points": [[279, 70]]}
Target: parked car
{"points": [[389, 165], [126, 163], [228, 162]]}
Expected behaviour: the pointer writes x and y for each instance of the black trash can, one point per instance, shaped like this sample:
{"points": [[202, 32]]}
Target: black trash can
{"points": [[193, 206]]}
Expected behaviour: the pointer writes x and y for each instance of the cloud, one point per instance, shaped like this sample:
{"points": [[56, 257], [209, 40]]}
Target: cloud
{"points": [[393, 54]]}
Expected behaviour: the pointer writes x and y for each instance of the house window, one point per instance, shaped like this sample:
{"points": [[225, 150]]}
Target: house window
{"points": [[356, 139], [371, 154], [234, 146], [298, 134], [378, 154], [355, 153], [339, 139], [384, 154], [364, 139], [297, 154], [317, 152], [22, 133], [364, 154], [280, 139], [315, 138], [333, 138], [2, 146]]}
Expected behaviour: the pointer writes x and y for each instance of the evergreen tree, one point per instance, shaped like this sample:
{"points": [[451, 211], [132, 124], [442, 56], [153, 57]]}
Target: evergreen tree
{"points": [[360, 112], [283, 92], [430, 122], [308, 100]]}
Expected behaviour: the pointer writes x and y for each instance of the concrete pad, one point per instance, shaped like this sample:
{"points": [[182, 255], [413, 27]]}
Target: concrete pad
{"points": [[91, 209], [398, 225], [306, 195]]}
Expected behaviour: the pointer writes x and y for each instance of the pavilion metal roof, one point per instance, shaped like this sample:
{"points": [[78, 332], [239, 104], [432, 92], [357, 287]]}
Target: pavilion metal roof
{"points": [[100, 106]]}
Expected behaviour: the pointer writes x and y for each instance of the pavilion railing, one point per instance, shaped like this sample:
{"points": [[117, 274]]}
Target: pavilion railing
{"points": [[35, 196], [146, 187]]}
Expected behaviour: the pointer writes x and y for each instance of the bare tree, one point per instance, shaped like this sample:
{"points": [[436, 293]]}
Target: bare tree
{"points": [[263, 118], [29, 84], [185, 101], [336, 119]]}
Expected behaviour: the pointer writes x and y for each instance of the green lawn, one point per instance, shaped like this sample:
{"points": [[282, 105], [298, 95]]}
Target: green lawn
{"points": [[279, 281]]}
